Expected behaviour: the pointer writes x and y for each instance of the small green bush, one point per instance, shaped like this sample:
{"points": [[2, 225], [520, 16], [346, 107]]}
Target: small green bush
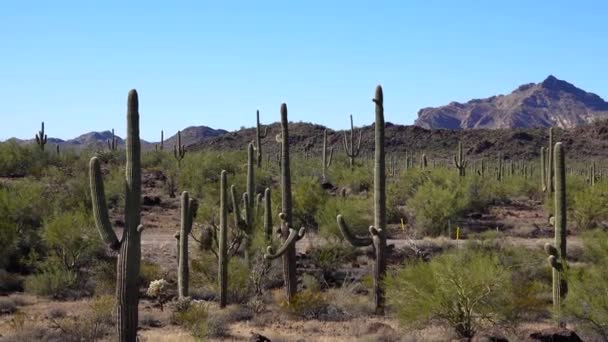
{"points": [[356, 211], [192, 316], [52, 280]]}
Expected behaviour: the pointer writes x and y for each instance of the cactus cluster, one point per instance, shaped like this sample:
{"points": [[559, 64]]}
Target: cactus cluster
{"points": [[377, 231], [129, 246]]}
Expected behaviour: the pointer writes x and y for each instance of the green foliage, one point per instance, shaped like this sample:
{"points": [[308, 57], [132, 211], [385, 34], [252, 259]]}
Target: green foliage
{"points": [[308, 197], [52, 280], [331, 255], [71, 237], [587, 299], [589, 206], [204, 274], [148, 272], [357, 210], [308, 303], [192, 316], [463, 289]]}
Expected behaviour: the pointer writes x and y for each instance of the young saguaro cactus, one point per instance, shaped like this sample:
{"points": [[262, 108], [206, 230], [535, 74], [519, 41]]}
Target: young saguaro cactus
{"points": [[223, 242], [289, 235], [543, 169], [189, 206], [41, 138], [550, 162], [258, 138], [112, 143], [244, 220], [459, 161], [557, 252], [351, 150], [267, 214], [326, 158], [377, 237], [179, 150], [129, 247], [161, 146]]}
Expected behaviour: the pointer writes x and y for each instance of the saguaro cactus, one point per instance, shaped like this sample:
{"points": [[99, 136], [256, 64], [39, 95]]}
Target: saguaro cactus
{"points": [[129, 247], [41, 137], [557, 252], [179, 150], [550, 162], [112, 143], [351, 151], [267, 214], [161, 145], [258, 138], [459, 161], [326, 159], [244, 220], [189, 207], [289, 235], [543, 169], [378, 230], [423, 161], [223, 242]]}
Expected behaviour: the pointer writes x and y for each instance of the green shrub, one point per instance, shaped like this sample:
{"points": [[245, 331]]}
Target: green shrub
{"points": [[308, 198], [52, 280], [192, 316], [330, 256], [356, 211], [587, 299], [463, 289], [204, 274], [589, 206]]}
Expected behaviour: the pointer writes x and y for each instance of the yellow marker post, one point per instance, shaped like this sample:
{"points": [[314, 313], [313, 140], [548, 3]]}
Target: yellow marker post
{"points": [[457, 233], [402, 225]]}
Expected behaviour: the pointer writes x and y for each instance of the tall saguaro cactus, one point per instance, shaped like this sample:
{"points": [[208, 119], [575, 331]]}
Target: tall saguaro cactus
{"points": [[377, 237], [258, 138], [459, 161], [41, 137], [351, 150], [112, 143], [223, 242], [289, 235], [326, 158], [267, 214], [189, 207], [244, 220], [129, 246], [179, 150], [550, 162], [557, 252], [543, 169]]}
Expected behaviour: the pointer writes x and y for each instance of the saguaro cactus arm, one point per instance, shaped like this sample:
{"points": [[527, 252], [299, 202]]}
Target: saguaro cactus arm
{"points": [[100, 209], [293, 236], [350, 237]]}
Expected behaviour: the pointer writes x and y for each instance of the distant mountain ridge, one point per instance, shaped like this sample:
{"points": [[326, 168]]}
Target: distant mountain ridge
{"points": [[552, 102]]}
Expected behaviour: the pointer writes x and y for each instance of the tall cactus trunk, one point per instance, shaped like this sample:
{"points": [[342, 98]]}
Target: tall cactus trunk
{"points": [[189, 207], [129, 247], [258, 138], [223, 242], [267, 214], [379, 237], [550, 164], [289, 257], [543, 169]]}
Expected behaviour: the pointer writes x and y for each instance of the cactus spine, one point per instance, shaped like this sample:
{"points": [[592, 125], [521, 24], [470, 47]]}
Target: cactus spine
{"points": [[41, 137], [179, 150], [557, 252], [129, 247], [351, 151], [326, 160], [223, 242], [112, 143], [259, 136], [288, 234], [459, 161], [189, 207], [377, 231]]}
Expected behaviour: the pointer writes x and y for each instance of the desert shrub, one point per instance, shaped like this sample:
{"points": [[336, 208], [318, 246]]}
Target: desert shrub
{"points": [[92, 325], [463, 289], [103, 276], [308, 198], [308, 303], [357, 180], [10, 282], [149, 272], [204, 274], [72, 238], [587, 299], [356, 211], [331, 255], [589, 206], [193, 317], [52, 279]]}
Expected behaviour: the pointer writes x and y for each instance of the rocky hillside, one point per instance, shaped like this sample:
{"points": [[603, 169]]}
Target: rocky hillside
{"points": [[552, 102]]}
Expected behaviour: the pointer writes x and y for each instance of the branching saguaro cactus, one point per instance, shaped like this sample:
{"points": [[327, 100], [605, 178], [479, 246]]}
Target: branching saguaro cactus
{"points": [[460, 162], [326, 158], [244, 219], [258, 138], [557, 252], [179, 150], [129, 247], [550, 169], [289, 235], [41, 137], [378, 230], [189, 206], [112, 143], [351, 150]]}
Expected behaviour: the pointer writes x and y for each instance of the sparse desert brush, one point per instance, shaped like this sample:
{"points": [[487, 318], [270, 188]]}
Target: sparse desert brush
{"points": [[463, 289], [192, 316], [358, 210], [52, 279], [149, 272], [332, 255], [589, 206], [204, 274]]}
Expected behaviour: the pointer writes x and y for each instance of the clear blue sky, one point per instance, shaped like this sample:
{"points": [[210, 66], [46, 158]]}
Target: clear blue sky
{"points": [[214, 63]]}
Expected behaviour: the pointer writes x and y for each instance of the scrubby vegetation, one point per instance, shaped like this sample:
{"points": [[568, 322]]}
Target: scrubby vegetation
{"points": [[454, 242]]}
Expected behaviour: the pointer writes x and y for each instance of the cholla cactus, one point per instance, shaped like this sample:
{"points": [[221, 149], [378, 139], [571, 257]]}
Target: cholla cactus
{"points": [[158, 289]]}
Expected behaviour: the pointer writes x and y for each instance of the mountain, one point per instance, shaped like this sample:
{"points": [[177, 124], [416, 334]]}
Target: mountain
{"points": [[552, 102], [194, 134]]}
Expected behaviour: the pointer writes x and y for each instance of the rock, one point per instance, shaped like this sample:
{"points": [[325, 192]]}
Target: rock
{"points": [[258, 338], [555, 335], [150, 201]]}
